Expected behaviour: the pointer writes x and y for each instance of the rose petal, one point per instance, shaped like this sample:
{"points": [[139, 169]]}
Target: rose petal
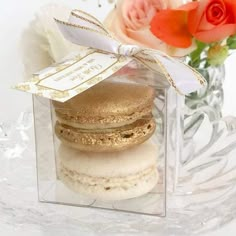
{"points": [[196, 16], [208, 23], [114, 22], [170, 4], [136, 13], [232, 6], [216, 34], [203, 25], [119, 23], [146, 39], [220, 9], [189, 6], [180, 52], [170, 26]]}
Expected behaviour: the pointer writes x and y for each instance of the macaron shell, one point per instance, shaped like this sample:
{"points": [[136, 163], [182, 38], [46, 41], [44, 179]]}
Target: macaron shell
{"points": [[114, 164], [142, 186], [110, 177], [107, 103], [106, 140]]}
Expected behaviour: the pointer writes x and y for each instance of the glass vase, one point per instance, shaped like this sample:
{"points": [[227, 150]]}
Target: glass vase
{"points": [[204, 104], [210, 98]]}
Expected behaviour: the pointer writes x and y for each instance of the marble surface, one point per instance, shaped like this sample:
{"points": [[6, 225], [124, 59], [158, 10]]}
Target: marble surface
{"points": [[20, 211]]}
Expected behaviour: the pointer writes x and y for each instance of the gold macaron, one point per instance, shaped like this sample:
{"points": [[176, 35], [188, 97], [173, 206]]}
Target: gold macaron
{"points": [[110, 116]]}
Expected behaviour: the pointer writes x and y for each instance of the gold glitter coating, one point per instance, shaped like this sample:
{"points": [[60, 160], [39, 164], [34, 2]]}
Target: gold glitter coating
{"points": [[107, 103], [107, 140]]}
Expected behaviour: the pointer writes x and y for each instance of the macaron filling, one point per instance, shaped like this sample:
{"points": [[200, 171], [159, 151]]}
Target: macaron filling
{"points": [[71, 118], [121, 182]]}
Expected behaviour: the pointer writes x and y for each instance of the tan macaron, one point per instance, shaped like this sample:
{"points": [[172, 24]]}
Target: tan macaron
{"points": [[110, 116]]}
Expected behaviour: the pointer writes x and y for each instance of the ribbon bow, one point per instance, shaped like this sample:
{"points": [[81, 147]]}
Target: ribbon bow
{"points": [[104, 56]]}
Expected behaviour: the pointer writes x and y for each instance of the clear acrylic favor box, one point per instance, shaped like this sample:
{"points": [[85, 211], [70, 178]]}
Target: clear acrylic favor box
{"points": [[75, 168]]}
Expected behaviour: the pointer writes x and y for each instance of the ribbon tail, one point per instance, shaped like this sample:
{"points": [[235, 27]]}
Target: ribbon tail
{"points": [[182, 77], [88, 36]]}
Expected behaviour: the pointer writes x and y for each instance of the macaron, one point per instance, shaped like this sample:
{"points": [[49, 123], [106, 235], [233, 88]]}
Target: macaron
{"points": [[109, 176], [110, 116]]}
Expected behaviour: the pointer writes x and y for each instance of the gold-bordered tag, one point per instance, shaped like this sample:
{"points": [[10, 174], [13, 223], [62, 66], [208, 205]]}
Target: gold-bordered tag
{"points": [[64, 80]]}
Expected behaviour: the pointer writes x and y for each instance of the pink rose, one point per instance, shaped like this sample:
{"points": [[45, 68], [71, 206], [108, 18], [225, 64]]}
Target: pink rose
{"points": [[130, 23]]}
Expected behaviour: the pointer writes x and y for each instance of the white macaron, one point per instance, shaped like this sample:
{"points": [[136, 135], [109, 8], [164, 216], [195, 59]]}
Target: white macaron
{"points": [[110, 176]]}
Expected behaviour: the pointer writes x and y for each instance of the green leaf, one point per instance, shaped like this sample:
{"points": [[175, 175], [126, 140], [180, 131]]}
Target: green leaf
{"points": [[232, 45], [231, 42]]}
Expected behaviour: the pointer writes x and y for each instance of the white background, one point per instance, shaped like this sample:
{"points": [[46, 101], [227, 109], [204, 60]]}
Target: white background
{"points": [[15, 15]]}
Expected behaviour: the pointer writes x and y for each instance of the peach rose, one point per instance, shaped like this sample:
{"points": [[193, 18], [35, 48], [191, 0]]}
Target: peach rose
{"points": [[130, 23]]}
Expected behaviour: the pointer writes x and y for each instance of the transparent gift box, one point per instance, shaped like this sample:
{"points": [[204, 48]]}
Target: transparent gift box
{"points": [[83, 164]]}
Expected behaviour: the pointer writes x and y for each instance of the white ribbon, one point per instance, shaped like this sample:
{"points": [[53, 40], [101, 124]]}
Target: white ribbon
{"points": [[85, 30], [103, 57]]}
